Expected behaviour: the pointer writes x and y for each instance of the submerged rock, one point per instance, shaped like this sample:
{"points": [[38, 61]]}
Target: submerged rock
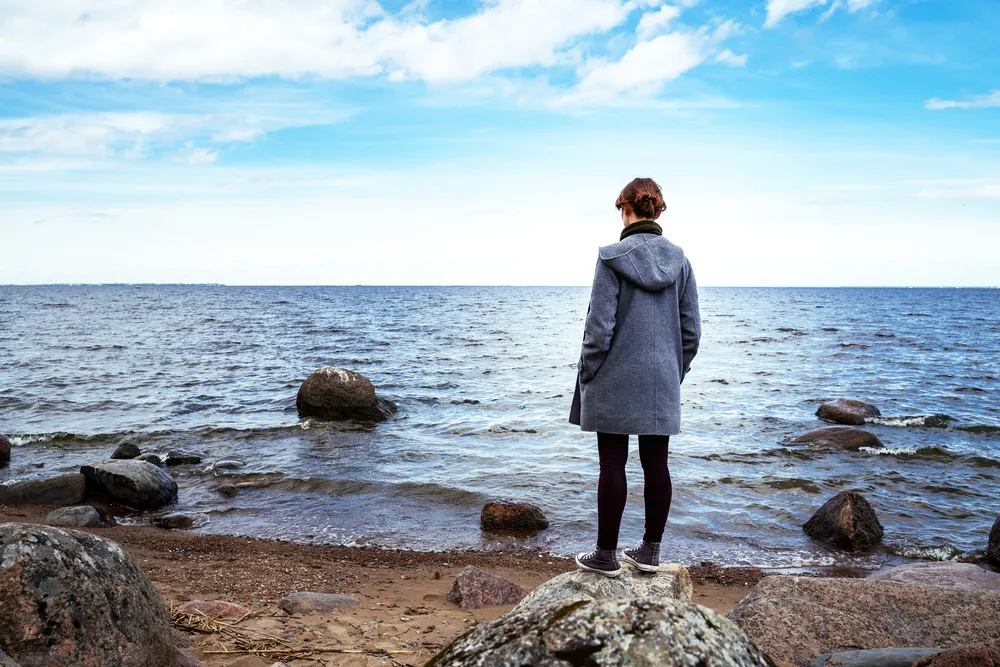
{"points": [[475, 588], [315, 603], [605, 633], [794, 619], [135, 484], [846, 411], [876, 657], [62, 490], [179, 457], [215, 608], [512, 516], [845, 437], [337, 394], [993, 546], [228, 490], [846, 521], [82, 516], [173, 521], [672, 581], [4, 451], [943, 575], [125, 451], [71, 599], [227, 464]]}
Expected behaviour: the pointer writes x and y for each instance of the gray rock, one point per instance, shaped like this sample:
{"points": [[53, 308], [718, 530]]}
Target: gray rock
{"points": [[605, 633], [125, 451], [69, 598], [227, 464], [993, 546], [672, 581], [944, 575], [82, 516], [6, 660], [847, 411], [180, 457], [315, 603], [794, 619], [135, 484], [173, 521], [878, 657], [846, 521], [184, 659], [842, 437], [336, 394], [512, 516], [228, 490], [4, 451], [62, 490], [155, 459]]}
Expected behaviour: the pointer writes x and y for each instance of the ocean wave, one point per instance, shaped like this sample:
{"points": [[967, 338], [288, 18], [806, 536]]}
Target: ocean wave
{"points": [[908, 421], [889, 451]]}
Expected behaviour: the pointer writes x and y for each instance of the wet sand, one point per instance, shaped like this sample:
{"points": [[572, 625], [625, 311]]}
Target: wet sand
{"points": [[403, 618]]}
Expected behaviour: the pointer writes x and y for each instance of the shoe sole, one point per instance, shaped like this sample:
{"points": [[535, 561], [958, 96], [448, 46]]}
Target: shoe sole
{"points": [[641, 566], [606, 573]]}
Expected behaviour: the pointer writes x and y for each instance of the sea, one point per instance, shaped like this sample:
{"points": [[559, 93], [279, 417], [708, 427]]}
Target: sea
{"points": [[483, 377]]}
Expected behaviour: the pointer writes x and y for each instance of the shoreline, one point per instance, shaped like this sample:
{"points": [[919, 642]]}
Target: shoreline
{"points": [[402, 593]]}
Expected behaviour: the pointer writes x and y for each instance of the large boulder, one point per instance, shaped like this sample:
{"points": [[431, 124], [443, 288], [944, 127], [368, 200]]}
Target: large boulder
{"points": [[69, 598], [846, 521], [337, 394], [877, 657], [4, 451], [475, 588], [846, 411], [512, 516], [672, 581], [135, 484], [843, 437], [795, 619], [605, 633], [993, 546], [62, 490], [82, 516], [944, 575]]}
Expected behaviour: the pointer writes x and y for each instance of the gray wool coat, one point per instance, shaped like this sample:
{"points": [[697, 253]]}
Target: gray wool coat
{"points": [[642, 331]]}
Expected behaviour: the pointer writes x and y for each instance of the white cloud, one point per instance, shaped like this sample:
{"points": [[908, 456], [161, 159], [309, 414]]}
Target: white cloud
{"points": [[220, 39], [80, 135], [654, 22], [974, 102], [727, 57], [199, 154], [779, 9]]}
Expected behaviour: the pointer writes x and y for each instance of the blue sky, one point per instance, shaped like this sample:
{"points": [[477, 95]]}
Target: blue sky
{"points": [[798, 142]]}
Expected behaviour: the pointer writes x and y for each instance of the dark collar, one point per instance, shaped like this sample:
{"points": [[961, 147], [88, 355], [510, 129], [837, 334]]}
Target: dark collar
{"points": [[642, 227]]}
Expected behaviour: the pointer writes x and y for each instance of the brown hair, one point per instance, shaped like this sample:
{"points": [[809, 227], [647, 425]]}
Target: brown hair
{"points": [[643, 197]]}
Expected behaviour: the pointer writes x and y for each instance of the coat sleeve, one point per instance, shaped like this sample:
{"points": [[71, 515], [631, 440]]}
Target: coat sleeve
{"points": [[690, 322], [600, 324]]}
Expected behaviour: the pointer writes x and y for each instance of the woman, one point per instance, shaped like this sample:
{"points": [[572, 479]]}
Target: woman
{"points": [[641, 334]]}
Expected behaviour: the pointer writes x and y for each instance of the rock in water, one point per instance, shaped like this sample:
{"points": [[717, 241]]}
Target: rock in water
{"points": [[846, 411], [512, 516], [62, 490], [83, 516], [306, 602], [179, 457], [155, 459], [993, 547], [797, 618], [877, 657], [986, 654], [337, 394], [125, 451], [943, 575], [846, 521], [4, 451], [475, 588], [672, 581], [845, 437], [135, 484], [606, 633], [71, 599], [173, 521]]}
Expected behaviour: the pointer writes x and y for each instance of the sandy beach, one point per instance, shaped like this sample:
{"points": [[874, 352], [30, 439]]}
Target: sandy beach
{"points": [[403, 617]]}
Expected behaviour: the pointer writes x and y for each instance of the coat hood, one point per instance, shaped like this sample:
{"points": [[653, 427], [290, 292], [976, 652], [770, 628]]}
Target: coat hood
{"points": [[649, 261]]}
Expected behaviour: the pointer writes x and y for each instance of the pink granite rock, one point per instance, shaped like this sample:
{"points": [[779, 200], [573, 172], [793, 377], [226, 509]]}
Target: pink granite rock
{"points": [[215, 608], [475, 588]]}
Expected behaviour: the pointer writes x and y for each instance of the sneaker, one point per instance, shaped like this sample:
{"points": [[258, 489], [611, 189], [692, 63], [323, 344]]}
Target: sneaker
{"points": [[601, 561], [645, 556]]}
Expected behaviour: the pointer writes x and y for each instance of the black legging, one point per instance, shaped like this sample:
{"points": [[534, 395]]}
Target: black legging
{"points": [[612, 449]]}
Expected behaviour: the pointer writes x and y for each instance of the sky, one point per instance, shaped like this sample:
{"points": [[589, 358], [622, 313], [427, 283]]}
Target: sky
{"points": [[443, 142]]}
